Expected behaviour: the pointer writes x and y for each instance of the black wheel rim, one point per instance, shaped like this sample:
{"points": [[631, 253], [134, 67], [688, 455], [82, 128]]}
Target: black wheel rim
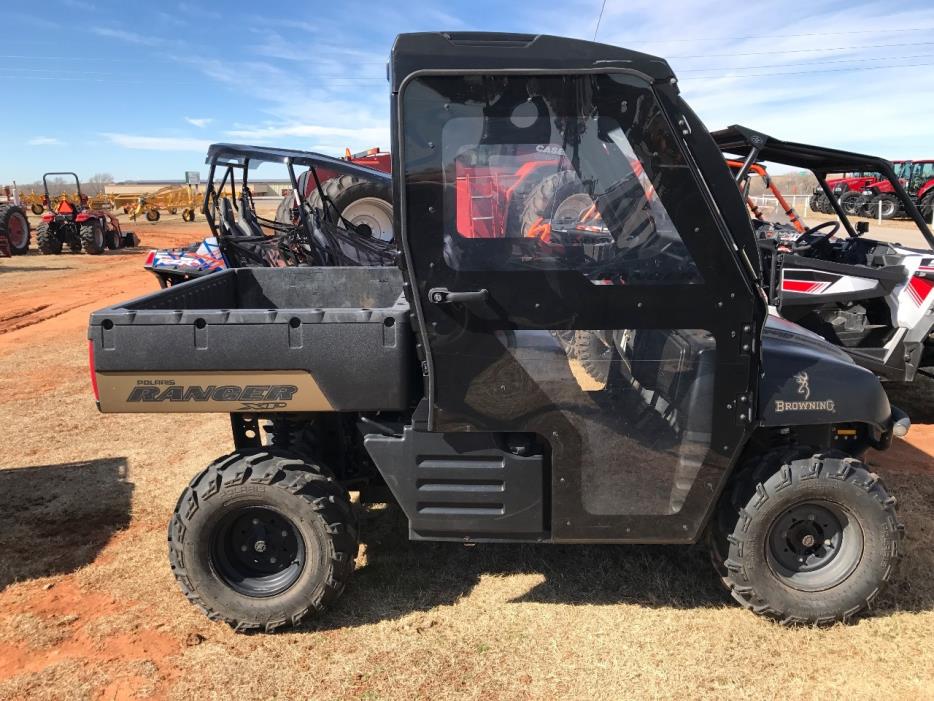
{"points": [[814, 546], [258, 552]]}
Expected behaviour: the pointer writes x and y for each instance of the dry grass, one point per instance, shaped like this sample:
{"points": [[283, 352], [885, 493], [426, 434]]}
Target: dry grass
{"points": [[84, 500]]}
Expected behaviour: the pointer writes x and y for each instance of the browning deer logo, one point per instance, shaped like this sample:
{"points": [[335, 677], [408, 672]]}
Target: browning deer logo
{"points": [[803, 388]]}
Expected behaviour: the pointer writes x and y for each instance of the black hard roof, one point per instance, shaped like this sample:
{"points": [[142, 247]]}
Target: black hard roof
{"points": [[237, 154], [740, 140], [466, 51]]}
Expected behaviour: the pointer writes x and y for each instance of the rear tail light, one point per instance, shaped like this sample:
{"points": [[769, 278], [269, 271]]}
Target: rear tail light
{"points": [[97, 394], [150, 258]]}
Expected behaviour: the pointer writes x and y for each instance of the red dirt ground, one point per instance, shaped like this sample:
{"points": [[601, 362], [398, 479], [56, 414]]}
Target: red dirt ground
{"points": [[101, 619]]}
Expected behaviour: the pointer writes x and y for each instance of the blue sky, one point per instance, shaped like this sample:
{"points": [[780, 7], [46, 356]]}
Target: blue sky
{"points": [[140, 89]]}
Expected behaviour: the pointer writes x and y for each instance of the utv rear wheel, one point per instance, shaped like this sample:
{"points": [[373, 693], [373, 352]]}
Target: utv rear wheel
{"points": [[92, 238], [813, 542], [262, 539], [46, 241], [15, 225]]}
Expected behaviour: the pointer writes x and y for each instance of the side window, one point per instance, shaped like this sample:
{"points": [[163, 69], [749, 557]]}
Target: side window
{"points": [[565, 173]]}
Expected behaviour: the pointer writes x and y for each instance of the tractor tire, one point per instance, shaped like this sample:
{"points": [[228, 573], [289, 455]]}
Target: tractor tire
{"points": [[92, 238], [806, 539], [152, 215], [851, 202], [366, 204], [823, 204], [261, 539], [188, 214], [595, 354], [927, 206], [546, 198], [114, 240], [47, 242], [284, 210], [173, 211], [814, 202], [37, 209], [890, 206], [15, 226]]}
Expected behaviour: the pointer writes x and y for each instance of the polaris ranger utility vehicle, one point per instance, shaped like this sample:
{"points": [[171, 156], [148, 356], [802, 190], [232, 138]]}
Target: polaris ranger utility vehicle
{"points": [[441, 382], [873, 299]]}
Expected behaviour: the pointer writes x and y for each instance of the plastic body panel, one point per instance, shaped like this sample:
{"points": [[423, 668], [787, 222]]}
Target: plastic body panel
{"points": [[347, 327], [807, 381], [462, 486]]}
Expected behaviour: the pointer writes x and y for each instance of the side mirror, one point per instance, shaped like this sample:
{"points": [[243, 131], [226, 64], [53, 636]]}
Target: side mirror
{"points": [[862, 228]]}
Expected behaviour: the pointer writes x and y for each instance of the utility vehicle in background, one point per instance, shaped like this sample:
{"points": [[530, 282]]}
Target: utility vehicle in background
{"points": [[872, 298], [442, 382], [71, 222], [360, 205]]}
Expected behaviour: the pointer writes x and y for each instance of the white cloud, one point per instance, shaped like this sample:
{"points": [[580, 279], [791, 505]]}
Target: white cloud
{"points": [[127, 36], [157, 143], [199, 122], [375, 135], [44, 141]]}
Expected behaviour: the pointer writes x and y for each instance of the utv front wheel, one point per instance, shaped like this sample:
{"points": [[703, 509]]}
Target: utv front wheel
{"points": [[813, 542], [261, 539]]}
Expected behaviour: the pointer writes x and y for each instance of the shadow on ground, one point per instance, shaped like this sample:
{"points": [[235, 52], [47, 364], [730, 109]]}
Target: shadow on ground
{"points": [[915, 398], [28, 268], [401, 577], [56, 518]]}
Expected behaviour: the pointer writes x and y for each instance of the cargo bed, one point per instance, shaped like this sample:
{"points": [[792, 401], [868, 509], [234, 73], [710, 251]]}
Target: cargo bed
{"points": [[259, 339]]}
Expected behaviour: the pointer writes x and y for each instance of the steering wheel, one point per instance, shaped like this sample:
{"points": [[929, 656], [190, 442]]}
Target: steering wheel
{"points": [[809, 235]]}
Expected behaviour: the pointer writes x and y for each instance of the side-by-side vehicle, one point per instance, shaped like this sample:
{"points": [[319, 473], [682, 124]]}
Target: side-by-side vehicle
{"points": [[443, 382]]}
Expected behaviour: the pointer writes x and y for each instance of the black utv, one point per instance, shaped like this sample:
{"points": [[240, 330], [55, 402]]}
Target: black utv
{"points": [[445, 382]]}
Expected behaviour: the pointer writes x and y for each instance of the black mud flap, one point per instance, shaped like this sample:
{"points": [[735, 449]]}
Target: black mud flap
{"points": [[462, 486]]}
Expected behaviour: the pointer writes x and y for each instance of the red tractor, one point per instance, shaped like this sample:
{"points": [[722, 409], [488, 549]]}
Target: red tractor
{"points": [[363, 203], [77, 225], [917, 177], [847, 189], [492, 194], [14, 227]]}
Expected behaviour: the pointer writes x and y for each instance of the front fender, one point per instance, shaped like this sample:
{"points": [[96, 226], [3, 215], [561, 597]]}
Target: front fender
{"points": [[807, 381]]}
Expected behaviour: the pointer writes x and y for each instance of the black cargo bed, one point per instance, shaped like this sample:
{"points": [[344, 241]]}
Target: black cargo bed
{"points": [[339, 337]]}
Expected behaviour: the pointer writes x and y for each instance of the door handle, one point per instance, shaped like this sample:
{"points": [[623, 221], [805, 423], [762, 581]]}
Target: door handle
{"points": [[442, 295]]}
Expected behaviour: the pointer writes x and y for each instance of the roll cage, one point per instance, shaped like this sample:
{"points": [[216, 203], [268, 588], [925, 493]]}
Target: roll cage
{"points": [[755, 146], [317, 235], [48, 197]]}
